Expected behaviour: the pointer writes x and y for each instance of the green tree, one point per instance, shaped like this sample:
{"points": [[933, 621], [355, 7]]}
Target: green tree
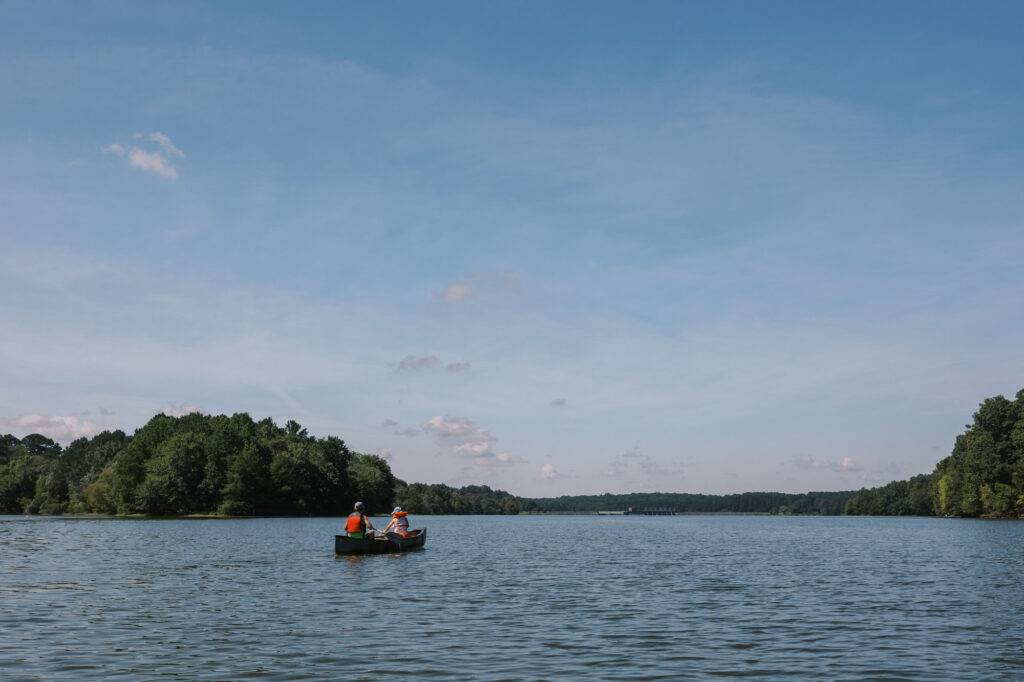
{"points": [[37, 444], [983, 476], [372, 481], [173, 477], [299, 479], [247, 490], [8, 445], [96, 497], [18, 480], [51, 494]]}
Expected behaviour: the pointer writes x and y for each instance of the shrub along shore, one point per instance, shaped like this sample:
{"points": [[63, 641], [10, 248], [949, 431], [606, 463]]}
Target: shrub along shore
{"points": [[216, 465]]}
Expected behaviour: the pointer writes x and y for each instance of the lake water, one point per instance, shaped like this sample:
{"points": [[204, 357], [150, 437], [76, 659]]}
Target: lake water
{"points": [[508, 598]]}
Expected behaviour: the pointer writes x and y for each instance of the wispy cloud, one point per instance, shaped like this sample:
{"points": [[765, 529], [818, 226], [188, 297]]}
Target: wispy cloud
{"points": [[550, 472], [152, 160], [558, 402], [57, 427], [504, 459], [165, 143], [420, 363], [152, 163], [396, 429], [634, 463], [458, 291], [181, 409], [464, 438], [475, 285], [417, 363], [841, 465]]}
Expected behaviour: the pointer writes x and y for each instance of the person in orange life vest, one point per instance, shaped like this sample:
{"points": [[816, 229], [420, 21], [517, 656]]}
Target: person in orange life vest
{"points": [[399, 522], [357, 523]]}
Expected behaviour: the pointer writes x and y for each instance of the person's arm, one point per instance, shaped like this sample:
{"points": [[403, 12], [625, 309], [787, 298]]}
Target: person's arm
{"points": [[366, 520], [391, 523]]}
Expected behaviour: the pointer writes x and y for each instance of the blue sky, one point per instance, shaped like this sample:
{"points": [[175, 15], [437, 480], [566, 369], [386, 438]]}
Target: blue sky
{"points": [[552, 247]]}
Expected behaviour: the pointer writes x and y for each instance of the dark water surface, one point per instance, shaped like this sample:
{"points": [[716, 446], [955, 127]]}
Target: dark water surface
{"points": [[514, 598]]}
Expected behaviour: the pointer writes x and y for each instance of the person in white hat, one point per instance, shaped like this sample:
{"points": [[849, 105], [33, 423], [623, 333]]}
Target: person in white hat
{"points": [[399, 523]]}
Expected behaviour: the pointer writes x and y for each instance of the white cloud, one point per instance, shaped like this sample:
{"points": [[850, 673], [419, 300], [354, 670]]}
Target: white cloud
{"points": [[465, 439], [460, 435], [549, 471], [152, 163], [415, 363], [847, 464], [165, 143], [459, 291], [506, 458], [385, 454], [181, 410], [59, 428], [842, 465]]}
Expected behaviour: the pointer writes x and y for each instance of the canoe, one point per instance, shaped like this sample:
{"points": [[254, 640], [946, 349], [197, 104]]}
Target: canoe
{"points": [[343, 544]]}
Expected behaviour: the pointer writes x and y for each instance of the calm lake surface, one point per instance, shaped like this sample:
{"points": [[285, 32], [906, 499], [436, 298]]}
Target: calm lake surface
{"points": [[499, 598]]}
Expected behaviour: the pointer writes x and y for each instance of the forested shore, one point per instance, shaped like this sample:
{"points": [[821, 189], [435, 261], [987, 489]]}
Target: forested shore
{"points": [[826, 503], [198, 465], [982, 477], [194, 464], [235, 466]]}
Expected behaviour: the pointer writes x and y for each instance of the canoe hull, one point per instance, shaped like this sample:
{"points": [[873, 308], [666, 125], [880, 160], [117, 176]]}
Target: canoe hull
{"points": [[389, 545]]}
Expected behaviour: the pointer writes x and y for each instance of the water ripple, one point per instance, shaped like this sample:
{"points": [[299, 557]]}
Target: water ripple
{"points": [[523, 598]]}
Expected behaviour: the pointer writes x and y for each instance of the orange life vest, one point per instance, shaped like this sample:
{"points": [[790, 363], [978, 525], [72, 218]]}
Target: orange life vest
{"points": [[355, 523], [401, 522]]}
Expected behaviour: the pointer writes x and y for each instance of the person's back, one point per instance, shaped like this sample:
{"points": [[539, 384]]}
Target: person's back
{"points": [[357, 523]]}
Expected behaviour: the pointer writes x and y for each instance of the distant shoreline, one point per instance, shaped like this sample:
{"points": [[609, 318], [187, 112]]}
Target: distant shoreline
{"points": [[213, 516], [678, 513], [218, 467], [223, 517]]}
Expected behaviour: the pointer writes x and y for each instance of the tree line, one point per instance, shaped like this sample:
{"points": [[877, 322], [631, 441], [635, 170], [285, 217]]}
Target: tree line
{"points": [[236, 466], [825, 503], [982, 477], [216, 464], [436, 498], [195, 464]]}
